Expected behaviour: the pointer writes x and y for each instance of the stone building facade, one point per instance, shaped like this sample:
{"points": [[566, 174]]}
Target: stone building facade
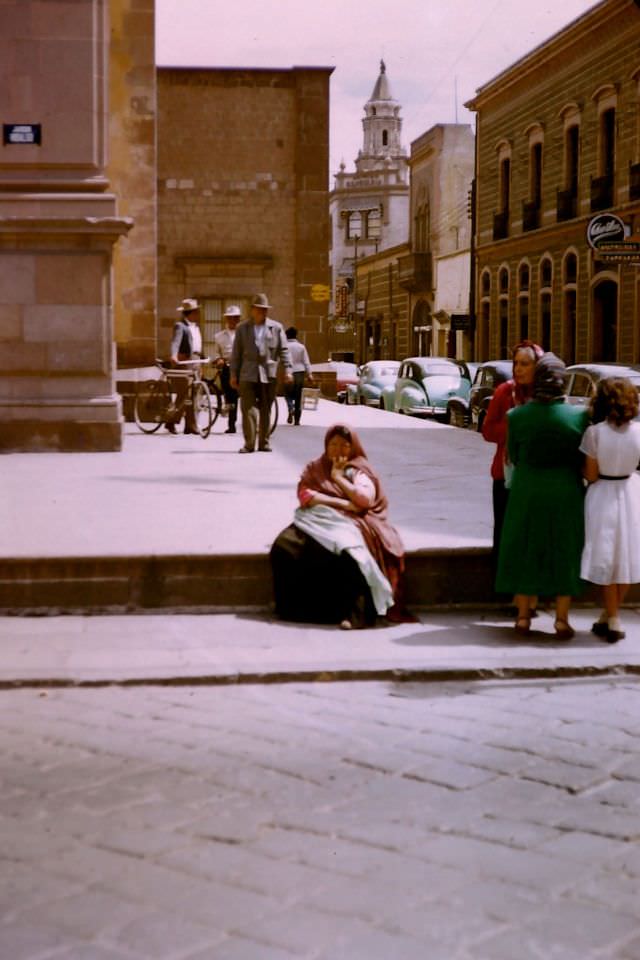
{"points": [[558, 144], [59, 224], [131, 169], [382, 331], [369, 207], [415, 295], [436, 270], [242, 195]]}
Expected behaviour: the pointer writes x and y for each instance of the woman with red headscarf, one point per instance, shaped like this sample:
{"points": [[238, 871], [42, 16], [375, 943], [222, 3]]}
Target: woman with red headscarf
{"points": [[340, 561], [511, 394]]}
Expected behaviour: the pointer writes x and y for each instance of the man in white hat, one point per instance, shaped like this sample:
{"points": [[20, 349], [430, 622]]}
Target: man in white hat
{"points": [[223, 342], [186, 344], [259, 345]]}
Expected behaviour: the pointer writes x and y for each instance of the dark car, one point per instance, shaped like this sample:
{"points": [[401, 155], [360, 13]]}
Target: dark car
{"points": [[489, 375], [584, 377]]}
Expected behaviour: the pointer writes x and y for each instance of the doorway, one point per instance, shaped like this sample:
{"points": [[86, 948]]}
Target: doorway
{"points": [[605, 321]]}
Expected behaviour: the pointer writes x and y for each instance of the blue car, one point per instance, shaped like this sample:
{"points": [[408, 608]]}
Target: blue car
{"points": [[373, 377], [425, 385]]}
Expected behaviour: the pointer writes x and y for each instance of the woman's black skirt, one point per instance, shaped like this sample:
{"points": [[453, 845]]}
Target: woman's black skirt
{"points": [[313, 585]]}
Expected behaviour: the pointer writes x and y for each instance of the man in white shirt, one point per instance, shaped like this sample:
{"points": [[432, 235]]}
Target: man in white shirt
{"points": [[223, 342], [300, 365], [186, 344]]}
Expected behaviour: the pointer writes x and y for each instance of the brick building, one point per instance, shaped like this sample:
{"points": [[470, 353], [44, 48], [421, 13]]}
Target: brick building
{"points": [[558, 143], [242, 195]]}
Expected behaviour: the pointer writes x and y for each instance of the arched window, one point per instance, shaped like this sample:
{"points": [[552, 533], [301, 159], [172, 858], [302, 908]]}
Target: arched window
{"points": [[485, 283], [503, 280], [523, 277], [546, 280]]}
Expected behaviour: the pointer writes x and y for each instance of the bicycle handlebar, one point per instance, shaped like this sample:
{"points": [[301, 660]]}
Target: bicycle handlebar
{"points": [[181, 363]]}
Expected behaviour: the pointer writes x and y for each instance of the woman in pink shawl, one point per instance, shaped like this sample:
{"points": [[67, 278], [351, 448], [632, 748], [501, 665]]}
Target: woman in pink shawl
{"points": [[340, 561]]}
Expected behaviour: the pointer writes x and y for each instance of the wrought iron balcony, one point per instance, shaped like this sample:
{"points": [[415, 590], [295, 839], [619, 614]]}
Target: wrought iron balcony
{"points": [[415, 272], [530, 215], [566, 204], [634, 181], [501, 225], [601, 193]]}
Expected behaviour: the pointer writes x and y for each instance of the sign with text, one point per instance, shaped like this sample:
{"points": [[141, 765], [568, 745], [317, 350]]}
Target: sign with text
{"points": [[21, 133], [605, 228]]}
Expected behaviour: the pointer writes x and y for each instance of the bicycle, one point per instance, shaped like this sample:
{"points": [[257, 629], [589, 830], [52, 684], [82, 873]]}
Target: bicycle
{"points": [[154, 399]]}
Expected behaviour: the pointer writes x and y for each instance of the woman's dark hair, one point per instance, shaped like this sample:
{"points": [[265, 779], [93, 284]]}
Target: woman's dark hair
{"points": [[549, 379], [338, 431], [616, 399], [291, 333]]}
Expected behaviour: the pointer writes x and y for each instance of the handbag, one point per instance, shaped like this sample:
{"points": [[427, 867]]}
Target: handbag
{"points": [[508, 474]]}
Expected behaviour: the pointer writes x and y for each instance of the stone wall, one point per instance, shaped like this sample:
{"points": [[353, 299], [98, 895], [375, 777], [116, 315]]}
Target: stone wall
{"points": [[243, 192], [132, 173]]}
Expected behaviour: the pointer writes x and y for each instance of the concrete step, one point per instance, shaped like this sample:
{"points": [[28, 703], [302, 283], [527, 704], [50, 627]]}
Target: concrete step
{"points": [[434, 577]]}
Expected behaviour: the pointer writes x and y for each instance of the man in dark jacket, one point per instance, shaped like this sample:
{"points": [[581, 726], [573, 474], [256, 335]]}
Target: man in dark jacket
{"points": [[259, 345]]}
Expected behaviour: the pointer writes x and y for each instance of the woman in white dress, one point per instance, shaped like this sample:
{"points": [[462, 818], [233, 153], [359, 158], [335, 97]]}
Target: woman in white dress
{"points": [[611, 555]]}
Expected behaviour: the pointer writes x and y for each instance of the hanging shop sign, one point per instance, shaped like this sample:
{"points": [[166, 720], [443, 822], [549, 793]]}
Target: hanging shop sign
{"points": [[605, 228]]}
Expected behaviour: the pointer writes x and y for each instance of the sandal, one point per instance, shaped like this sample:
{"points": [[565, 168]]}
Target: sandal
{"points": [[523, 626], [564, 630]]}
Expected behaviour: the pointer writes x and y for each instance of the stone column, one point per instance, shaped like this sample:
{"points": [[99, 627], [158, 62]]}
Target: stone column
{"points": [[58, 226]]}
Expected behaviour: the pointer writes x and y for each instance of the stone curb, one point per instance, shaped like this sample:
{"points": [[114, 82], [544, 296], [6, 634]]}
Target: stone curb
{"points": [[341, 675]]}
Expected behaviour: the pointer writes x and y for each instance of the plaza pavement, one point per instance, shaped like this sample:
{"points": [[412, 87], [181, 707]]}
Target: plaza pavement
{"points": [[196, 505]]}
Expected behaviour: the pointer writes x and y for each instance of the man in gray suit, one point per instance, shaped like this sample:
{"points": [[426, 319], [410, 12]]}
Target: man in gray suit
{"points": [[260, 343]]}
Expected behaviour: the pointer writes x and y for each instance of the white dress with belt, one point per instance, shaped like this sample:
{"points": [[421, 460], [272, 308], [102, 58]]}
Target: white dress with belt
{"points": [[612, 507]]}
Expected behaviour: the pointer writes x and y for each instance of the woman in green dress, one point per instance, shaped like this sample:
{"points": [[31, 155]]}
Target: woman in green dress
{"points": [[543, 532]]}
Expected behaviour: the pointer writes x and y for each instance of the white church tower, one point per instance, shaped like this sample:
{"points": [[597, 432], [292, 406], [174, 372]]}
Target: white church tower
{"points": [[369, 207]]}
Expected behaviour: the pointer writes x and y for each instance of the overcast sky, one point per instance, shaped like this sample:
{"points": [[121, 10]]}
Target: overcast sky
{"points": [[432, 50]]}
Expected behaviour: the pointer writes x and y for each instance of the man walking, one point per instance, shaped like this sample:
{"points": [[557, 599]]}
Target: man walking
{"points": [[186, 344], [224, 348], [259, 344], [299, 365]]}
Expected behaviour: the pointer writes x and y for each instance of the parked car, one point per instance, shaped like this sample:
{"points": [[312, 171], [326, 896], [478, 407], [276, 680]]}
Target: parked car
{"points": [[458, 406], [346, 375], [424, 385], [584, 377], [373, 377], [489, 375]]}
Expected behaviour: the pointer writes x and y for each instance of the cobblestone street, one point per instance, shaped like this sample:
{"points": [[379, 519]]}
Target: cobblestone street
{"points": [[364, 821]]}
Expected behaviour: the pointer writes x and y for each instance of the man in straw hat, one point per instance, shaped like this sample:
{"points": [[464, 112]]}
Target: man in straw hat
{"points": [[259, 345], [186, 344], [223, 342]]}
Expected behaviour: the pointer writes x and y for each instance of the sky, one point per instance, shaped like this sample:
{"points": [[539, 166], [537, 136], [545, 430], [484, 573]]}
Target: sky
{"points": [[437, 53]]}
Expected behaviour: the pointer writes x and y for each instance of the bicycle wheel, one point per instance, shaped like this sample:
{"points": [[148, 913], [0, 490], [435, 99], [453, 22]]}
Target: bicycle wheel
{"points": [[202, 413], [273, 416], [152, 405], [217, 402]]}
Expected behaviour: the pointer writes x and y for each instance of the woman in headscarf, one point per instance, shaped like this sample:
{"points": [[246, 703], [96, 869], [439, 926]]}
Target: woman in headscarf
{"points": [[543, 530], [512, 393], [340, 561]]}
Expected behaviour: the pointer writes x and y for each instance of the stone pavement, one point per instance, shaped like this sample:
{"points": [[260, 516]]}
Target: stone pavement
{"points": [[368, 821], [181, 521], [250, 646]]}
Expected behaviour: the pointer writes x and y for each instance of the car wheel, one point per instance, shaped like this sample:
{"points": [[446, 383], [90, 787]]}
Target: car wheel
{"points": [[448, 418], [480, 421], [381, 404]]}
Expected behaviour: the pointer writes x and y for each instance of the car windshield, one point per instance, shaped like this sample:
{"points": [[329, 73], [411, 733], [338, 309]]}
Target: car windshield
{"points": [[441, 370], [386, 371], [444, 379]]}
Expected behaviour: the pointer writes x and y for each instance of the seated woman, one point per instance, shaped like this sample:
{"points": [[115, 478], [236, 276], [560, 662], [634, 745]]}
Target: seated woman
{"points": [[340, 561]]}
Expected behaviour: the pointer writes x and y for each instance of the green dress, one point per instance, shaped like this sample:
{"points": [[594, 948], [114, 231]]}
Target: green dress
{"points": [[543, 531]]}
